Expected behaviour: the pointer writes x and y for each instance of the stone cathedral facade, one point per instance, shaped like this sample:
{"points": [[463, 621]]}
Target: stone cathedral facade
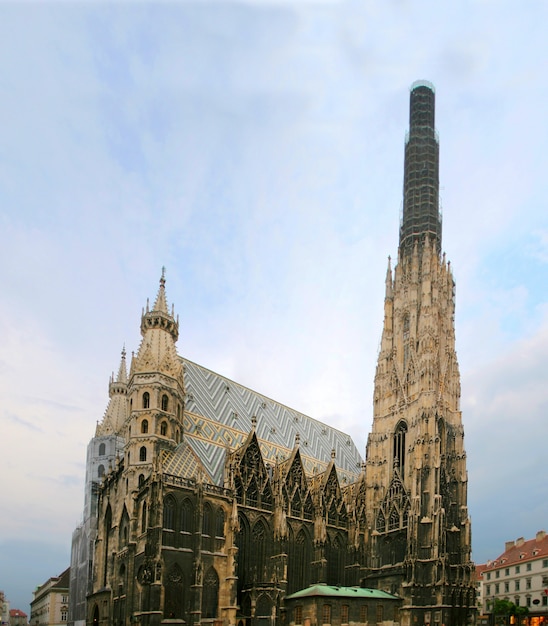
{"points": [[209, 503]]}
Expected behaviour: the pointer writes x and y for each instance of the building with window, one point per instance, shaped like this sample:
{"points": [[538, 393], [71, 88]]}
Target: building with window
{"points": [[519, 574], [18, 618], [324, 604], [50, 603], [207, 502]]}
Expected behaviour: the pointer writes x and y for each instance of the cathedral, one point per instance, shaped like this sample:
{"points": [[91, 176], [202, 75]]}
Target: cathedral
{"points": [[209, 503]]}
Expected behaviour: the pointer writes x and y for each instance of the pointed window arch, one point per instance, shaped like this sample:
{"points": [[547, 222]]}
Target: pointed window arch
{"points": [[146, 400], [259, 549], [100, 471], [441, 434], [143, 453], [144, 426], [175, 592], [165, 402], [124, 529], [102, 449], [187, 512], [206, 520], [210, 597], [399, 447], [169, 513], [144, 517], [106, 529], [220, 523], [299, 558], [163, 428], [141, 479]]}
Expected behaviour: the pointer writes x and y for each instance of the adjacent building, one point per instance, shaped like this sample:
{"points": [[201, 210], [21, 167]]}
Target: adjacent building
{"points": [[324, 604], [209, 503], [50, 603], [519, 574], [18, 618]]}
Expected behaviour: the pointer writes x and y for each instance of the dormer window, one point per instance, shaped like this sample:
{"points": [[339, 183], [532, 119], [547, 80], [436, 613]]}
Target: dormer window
{"points": [[146, 400]]}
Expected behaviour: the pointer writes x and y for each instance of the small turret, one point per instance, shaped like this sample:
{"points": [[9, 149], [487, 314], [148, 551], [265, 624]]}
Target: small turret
{"points": [[117, 409]]}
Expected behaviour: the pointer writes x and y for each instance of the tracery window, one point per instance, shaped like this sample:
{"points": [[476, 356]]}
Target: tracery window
{"points": [[259, 549], [169, 513], [186, 516], [210, 597]]}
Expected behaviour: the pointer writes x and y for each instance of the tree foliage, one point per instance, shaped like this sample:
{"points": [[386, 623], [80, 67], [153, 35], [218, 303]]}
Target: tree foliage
{"points": [[504, 609]]}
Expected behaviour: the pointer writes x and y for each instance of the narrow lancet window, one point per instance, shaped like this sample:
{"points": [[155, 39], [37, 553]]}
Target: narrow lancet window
{"points": [[399, 447]]}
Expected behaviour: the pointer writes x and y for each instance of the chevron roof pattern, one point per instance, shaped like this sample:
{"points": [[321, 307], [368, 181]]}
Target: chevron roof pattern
{"points": [[183, 461], [218, 416]]}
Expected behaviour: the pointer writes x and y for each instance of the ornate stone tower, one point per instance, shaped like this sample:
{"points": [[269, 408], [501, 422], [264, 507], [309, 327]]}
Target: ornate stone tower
{"points": [[417, 518]]}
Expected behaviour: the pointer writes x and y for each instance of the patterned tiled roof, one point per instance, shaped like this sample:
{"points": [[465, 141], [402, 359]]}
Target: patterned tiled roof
{"points": [[521, 550], [219, 414], [183, 461]]}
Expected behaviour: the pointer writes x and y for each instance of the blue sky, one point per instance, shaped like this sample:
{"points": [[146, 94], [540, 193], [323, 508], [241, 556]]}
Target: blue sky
{"points": [[256, 150]]}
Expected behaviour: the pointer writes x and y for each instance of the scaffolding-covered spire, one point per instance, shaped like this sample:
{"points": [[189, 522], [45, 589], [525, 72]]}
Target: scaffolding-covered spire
{"points": [[421, 214]]}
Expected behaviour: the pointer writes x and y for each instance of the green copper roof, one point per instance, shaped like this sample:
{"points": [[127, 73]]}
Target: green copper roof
{"points": [[341, 592]]}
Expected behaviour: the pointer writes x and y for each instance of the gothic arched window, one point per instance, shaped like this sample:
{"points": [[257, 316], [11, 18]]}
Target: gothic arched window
{"points": [[175, 591], [259, 549], [144, 426], [220, 523], [210, 597], [163, 429], [102, 449], [187, 511], [100, 471], [143, 453], [144, 517], [399, 447], [146, 400], [165, 402], [169, 513]]}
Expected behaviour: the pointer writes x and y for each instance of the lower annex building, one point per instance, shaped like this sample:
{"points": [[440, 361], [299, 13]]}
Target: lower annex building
{"points": [[209, 503]]}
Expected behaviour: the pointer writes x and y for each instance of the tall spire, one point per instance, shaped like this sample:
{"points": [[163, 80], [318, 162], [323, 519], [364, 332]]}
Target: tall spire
{"points": [[421, 215]]}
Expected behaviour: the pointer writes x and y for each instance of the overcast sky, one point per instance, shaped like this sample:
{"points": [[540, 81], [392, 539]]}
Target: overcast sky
{"points": [[256, 150]]}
